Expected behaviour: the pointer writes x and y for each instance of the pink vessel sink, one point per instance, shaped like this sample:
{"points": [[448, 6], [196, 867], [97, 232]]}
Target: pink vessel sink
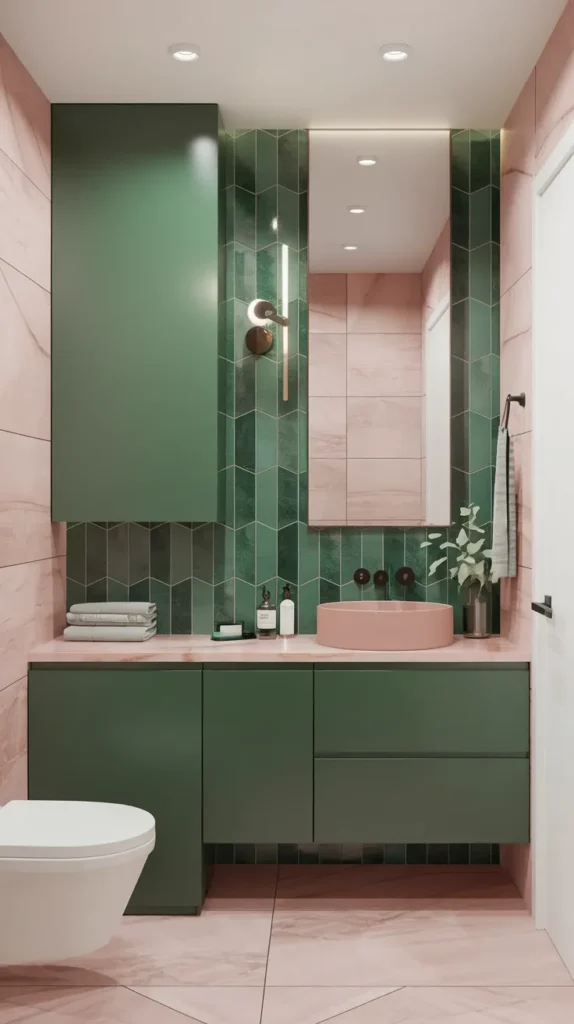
{"points": [[385, 625]]}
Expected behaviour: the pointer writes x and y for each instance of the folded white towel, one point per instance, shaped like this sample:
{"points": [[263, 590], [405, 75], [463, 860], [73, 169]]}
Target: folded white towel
{"points": [[105, 619], [115, 608], [106, 633], [504, 510]]}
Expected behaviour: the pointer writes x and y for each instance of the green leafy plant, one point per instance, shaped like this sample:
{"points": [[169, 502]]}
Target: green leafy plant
{"points": [[473, 561]]}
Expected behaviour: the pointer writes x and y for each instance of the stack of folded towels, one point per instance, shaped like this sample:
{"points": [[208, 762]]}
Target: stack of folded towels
{"points": [[111, 620]]}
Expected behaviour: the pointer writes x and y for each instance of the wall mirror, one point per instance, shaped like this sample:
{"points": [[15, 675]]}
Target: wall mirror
{"points": [[379, 328]]}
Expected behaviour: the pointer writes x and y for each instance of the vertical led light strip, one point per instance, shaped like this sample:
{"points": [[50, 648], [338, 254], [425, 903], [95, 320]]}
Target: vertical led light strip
{"points": [[285, 313]]}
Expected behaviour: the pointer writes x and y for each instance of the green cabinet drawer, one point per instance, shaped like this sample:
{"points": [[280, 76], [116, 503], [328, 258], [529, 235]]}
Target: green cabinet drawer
{"points": [[422, 710], [128, 736], [258, 754], [422, 800]]}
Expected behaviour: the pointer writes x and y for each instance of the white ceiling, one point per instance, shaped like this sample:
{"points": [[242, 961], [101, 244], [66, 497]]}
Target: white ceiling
{"points": [[406, 197], [289, 63]]}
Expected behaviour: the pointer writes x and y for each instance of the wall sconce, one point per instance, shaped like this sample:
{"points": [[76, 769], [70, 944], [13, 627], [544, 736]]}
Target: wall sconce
{"points": [[261, 313]]}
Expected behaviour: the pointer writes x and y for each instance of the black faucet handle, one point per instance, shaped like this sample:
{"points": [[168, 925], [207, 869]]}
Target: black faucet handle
{"points": [[405, 576], [361, 576], [381, 578]]}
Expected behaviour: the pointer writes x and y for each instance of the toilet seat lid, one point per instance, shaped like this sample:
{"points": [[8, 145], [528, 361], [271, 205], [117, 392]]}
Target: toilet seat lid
{"points": [[59, 829]]}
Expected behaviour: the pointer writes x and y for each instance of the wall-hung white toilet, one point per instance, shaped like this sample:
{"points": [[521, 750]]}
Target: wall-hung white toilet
{"points": [[67, 871]]}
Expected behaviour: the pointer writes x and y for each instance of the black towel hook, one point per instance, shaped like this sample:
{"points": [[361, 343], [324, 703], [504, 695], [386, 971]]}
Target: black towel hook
{"points": [[521, 399]]}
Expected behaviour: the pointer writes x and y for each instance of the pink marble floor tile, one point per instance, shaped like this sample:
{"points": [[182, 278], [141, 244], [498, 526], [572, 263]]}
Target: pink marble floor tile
{"points": [[32, 611], [384, 364], [25, 218], [384, 428], [327, 428], [384, 304], [327, 298], [25, 378], [327, 490], [88, 1006], [29, 114], [384, 490], [404, 881], [26, 532], [13, 741], [515, 377], [555, 86], [327, 365], [211, 1005], [314, 1005], [398, 942]]}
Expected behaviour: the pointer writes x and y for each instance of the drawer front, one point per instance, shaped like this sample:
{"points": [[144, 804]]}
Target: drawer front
{"points": [[422, 800], [414, 710]]}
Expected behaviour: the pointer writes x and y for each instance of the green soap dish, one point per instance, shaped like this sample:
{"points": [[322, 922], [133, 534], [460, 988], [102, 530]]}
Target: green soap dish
{"points": [[223, 636]]}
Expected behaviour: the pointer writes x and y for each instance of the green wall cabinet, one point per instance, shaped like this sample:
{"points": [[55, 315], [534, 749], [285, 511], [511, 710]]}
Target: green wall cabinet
{"points": [[127, 736], [137, 254], [258, 754]]}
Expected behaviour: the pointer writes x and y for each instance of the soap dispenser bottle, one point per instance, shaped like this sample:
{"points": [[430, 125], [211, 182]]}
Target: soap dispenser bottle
{"points": [[266, 618], [287, 614]]}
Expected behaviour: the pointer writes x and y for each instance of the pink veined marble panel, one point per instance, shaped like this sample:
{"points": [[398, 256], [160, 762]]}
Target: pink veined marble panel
{"points": [[515, 377], [327, 365], [327, 428], [24, 119], [517, 169], [327, 490], [24, 341], [32, 603], [384, 428], [327, 297], [555, 86], [13, 741], [384, 364], [523, 457], [384, 489], [25, 220], [26, 532], [435, 279], [384, 304]]}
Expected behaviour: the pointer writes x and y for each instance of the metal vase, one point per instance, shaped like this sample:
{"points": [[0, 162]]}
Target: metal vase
{"points": [[477, 612]]}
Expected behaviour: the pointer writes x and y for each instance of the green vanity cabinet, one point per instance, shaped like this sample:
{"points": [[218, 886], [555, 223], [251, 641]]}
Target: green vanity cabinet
{"points": [[127, 735], [137, 252], [258, 754]]}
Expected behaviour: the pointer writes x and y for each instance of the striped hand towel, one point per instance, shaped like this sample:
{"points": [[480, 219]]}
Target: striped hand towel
{"points": [[504, 512]]}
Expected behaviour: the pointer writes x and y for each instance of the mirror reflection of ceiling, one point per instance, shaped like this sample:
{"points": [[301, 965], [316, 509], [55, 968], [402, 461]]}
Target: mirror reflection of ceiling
{"points": [[406, 197]]}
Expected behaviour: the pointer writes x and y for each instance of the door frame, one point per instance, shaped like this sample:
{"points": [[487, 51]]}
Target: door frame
{"points": [[543, 179]]}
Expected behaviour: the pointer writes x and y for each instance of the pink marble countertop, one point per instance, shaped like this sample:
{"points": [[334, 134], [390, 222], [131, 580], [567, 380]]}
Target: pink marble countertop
{"points": [[300, 648]]}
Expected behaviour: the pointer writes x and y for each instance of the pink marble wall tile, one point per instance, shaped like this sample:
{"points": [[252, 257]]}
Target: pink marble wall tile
{"points": [[523, 461], [327, 297], [24, 119], [327, 365], [384, 304], [13, 741], [25, 220], [435, 278], [555, 86], [26, 533], [328, 428], [384, 428], [384, 364], [517, 169], [327, 490], [25, 355], [32, 602], [384, 489]]}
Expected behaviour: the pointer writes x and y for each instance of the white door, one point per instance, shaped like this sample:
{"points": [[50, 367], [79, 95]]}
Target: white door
{"points": [[553, 552]]}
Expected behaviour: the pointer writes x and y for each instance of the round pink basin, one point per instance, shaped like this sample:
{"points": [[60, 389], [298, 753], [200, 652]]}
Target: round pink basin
{"points": [[385, 625]]}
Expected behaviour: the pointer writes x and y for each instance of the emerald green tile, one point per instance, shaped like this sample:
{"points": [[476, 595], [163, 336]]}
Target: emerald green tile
{"points": [[303, 328], [479, 160], [180, 553], [117, 591], [244, 218], [459, 393], [481, 383], [244, 265], [480, 853], [294, 326], [416, 557], [294, 272], [495, 258], [303, 442], [460, 329], [226, 496], [244, 497], [437, 853], [459, 485], [266, 541], [246, 599], [495, 330], [481, 269], [288, 218], [460, 273], [267, 218], [229, 277], [303, 160], [303, 220], [330, 555], [202, 613], [303, 501], [97, 591], [225, 441], [224, 602], [481, 217], [495, 159], [460, 218], [351, 552], [266, 442], [395, 853], [459, 442], [460, 161], [480, 434], [266, 486], [303, 275], [330, 853], [395, 558], [160, 553], [271, 585], [308, 599], [75, 593], [288, 441], [229, 199], [266, 376], [416, 853], [229, 154], [480, 329], [266, 175], [267, 275], [96, 553], [351, 592], [244, 386], [495, 215], [373, 853], [245, 160], [287, 553], [288, 160], [308, 553], [225, 386], [137, 592], [292, 402], [438, 591], [458, 853], [481, 492], [224, 553], [203, 558], [241, 324], [76, 553], [160, 594], [245, 553], [303, 384], [226, 339], [373, 558], [494, 431], [329, 592], [245, 441]]}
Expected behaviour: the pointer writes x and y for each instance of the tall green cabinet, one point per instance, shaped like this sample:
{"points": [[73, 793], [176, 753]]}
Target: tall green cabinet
{"points": [[137, 252]]}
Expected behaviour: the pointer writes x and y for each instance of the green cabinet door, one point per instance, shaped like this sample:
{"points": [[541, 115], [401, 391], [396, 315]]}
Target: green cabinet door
{"points": [[422, 800], [258, 754], [129, 736], [136, 254]]}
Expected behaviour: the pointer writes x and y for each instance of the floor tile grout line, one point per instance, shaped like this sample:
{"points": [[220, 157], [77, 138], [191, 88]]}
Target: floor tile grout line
{"points": [[351, 1009], [150, 999], [269, 945]]}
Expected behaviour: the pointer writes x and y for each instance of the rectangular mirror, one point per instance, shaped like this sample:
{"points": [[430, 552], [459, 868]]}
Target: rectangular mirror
{"points": [[379, 328]]}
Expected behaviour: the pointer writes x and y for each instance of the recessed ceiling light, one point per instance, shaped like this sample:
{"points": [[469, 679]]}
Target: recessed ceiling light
{"points": [[184, 51], [356, 209], [367, 161], [395, 52], [350, 248]]}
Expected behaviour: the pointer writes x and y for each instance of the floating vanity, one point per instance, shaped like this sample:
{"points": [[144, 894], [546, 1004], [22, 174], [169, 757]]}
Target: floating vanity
{"points": [[283, 741]]}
